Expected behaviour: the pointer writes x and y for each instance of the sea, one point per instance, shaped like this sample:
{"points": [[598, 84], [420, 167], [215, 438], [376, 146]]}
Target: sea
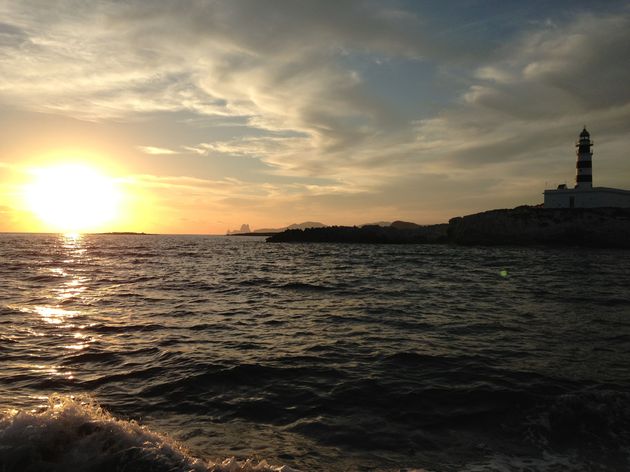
{"points": [[207, 353]]}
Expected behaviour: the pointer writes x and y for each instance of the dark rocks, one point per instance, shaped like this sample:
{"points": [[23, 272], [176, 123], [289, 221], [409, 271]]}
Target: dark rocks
{"points": [[404, 225], [592, 227], [371, 234], [525, 225]]}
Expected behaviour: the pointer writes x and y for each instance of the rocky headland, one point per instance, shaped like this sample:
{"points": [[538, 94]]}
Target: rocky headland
{"points": [[594, 227], [399, 232], [525, 225]]}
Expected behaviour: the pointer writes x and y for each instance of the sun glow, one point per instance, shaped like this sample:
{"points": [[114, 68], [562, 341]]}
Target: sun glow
{"points": [[72, 198]]}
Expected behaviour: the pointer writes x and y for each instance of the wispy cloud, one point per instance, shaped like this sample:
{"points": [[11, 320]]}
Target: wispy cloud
{"points": [[156, 150], [533, 100]]}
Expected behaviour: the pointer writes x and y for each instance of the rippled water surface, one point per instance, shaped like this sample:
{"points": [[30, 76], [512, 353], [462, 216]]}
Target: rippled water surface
{"points": [[329, 357]]}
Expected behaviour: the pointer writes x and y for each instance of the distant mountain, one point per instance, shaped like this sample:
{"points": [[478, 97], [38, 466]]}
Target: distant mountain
{"points": [[403, 225], [305, 225], [378, 223]]}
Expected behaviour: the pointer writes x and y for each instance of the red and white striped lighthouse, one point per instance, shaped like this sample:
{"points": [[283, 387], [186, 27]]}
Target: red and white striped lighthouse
{"points": [[584, 174]]}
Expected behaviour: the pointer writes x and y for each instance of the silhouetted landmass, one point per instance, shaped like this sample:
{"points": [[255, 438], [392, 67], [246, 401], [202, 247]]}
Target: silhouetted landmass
{"points": [[366, 234], [378, 223], [305, 225], [254, 234], [404, 225], [272, 231], [525, 225]]}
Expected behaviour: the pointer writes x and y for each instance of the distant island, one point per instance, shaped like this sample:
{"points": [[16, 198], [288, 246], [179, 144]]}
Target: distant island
{"points": [[523, 225], [246, 231]]}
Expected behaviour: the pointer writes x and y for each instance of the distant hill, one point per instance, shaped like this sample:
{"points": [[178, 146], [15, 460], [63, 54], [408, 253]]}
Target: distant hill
{"points": [[306, 224], [378, 223], [404, 225]]}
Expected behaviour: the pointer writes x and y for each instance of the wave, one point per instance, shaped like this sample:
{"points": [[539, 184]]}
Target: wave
{"points": [[44, 278], [75, 433], [304, 286]]}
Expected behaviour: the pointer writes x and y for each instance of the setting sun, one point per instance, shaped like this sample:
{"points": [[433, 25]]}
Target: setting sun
{"points": [[72, 197]]}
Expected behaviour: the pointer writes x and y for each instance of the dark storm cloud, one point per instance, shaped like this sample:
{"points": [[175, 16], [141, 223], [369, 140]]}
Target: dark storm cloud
{"points": [[12, 36]]}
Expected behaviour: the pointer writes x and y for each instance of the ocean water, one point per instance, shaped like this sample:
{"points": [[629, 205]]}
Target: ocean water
{"points": [[181, 353]]}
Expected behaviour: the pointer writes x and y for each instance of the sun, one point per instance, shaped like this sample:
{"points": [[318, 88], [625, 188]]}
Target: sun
{"points": [[72, 197]]}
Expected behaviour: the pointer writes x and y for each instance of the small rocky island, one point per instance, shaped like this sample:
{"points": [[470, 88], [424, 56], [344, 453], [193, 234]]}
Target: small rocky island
{"points": [[524, 225]]}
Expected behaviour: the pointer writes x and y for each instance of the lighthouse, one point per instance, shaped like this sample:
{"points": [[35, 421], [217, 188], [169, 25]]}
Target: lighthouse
{"points": [[584, 195], [584, 165]]}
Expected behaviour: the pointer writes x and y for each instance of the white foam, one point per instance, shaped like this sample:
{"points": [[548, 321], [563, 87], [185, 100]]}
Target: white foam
{"points": [[74, 433]]}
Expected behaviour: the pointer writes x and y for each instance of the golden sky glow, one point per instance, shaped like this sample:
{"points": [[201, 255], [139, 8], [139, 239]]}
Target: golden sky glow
{"points": [[213, 114]]}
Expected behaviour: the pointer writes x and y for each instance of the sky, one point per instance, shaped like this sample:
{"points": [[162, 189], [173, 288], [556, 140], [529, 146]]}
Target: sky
{"points": [[207, 115]]}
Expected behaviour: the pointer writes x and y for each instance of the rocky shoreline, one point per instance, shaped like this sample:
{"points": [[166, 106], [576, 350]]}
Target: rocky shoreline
{"points": [[591, 227], [365, 234], [522, 226]]}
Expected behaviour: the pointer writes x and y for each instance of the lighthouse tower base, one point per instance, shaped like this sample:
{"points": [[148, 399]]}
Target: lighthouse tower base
{"points": [[597, 197]]}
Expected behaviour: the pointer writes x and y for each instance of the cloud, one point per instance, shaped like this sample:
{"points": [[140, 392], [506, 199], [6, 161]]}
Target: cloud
{"points": [[535, 98], [280, 65], [118, 58], [293, 74], [229, 188], [153, 150], [12, 36]]}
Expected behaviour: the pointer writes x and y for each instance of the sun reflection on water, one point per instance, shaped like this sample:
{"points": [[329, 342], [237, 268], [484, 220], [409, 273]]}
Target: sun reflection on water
{"points": [[72, 236], [57, 313], [83, 341], [72, 288], [54, 315], [50, 371], [58, 271], [73, 243]]}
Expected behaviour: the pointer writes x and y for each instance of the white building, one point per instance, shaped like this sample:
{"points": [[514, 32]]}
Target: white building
{"points": [[584, 195]]}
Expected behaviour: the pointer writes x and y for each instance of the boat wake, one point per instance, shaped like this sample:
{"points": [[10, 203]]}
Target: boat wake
{"points": [[76, 434]]}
